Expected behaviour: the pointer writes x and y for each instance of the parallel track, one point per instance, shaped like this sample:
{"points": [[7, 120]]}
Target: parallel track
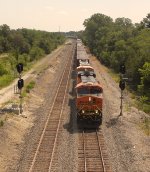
{"points": [[92, 154], [44, 153]]}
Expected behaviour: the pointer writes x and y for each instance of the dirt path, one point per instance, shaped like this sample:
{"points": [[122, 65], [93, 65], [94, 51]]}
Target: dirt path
{"points": [[8, 93]]}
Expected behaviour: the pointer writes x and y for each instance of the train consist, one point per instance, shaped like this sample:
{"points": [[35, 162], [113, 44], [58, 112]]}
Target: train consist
{"points": [[88, 90]]}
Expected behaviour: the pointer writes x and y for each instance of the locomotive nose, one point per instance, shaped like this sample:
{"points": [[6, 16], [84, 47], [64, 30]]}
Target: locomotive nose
{"points": [[90, 99]]}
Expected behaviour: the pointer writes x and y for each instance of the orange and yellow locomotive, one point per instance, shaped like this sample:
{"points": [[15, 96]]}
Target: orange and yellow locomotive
{"points": [[89, 98]]}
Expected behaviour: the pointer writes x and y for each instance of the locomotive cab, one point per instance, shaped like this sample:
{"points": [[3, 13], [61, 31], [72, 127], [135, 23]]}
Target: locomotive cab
{"points": [[89, 103]]}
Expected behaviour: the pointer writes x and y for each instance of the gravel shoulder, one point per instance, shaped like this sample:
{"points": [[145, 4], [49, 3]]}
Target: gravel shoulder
{"points": [[128, 146], [16, 128]]}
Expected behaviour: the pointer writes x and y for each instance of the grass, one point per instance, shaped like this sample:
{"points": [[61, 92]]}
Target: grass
{"points": [[140, 103], [5, 80], [4, 55], [145, 126], [7, 73], [8, 67], [28, 88], [143, 106], [9, 62], [115, 76]]}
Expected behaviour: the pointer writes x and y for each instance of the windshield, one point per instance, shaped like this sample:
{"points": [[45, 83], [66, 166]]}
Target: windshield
{"points": [[85, 91]]}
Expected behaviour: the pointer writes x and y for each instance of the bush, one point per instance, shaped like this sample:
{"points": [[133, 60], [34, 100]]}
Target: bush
{"points": [[5, 80], [3, 71], [146, 126], [36, 53], [30, 86], [144, 104], [1, 123], [146, 108]]}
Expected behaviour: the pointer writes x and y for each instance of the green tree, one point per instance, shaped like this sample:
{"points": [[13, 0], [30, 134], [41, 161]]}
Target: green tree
{"points": [[94, 23], [145, 79], [146, 21], [120, 42], [2, 70], [36, 53]]}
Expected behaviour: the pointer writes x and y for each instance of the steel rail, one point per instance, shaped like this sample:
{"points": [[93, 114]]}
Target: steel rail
{"points": [[46, 124], [61, 114], [85, 167], [100, 151]]}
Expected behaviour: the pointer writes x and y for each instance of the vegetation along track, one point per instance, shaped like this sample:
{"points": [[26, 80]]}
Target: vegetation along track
{"points": [[44, 154], [92, 154]]}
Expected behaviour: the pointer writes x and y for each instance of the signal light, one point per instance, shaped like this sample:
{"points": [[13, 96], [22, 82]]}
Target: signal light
{"points": [[122, 69], [19, 67], [122, 85], [20, 84]]}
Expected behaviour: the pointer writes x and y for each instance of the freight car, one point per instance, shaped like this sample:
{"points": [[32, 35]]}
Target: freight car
{"points": [[88, 91], [82, 56]]}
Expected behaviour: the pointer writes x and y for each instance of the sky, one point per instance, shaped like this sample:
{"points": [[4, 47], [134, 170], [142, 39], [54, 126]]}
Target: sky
{"points": [[67, 15]]}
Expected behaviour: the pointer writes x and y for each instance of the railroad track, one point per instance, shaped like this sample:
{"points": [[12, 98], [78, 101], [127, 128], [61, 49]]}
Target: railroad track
{"points": [[43, 158], [92, 152]]}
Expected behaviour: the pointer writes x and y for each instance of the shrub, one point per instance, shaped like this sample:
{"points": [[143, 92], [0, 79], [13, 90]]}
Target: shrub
{"points": [[5, 80], [30, 86], [3, 71], [146, 126], [1, 123]]}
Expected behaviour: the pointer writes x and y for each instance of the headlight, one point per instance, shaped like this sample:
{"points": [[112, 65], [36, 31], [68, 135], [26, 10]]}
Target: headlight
{"points": [[96, 111], [83, 111]]}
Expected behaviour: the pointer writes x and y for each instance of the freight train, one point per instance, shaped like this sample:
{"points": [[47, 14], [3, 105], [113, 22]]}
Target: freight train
{"points": [[89, 91]]}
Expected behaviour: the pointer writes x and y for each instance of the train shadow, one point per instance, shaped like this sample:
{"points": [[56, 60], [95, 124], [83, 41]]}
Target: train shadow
{"points": [[71, 125]]}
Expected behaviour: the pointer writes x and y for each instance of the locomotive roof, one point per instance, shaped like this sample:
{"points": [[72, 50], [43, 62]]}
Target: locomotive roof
{"points": [[84, 63], [88, 79], [85, 67], [89, 84], [86, 76]]}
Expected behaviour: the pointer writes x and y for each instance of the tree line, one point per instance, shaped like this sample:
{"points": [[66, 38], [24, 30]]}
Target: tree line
{"points": [[121, 41], [25, 46]]}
